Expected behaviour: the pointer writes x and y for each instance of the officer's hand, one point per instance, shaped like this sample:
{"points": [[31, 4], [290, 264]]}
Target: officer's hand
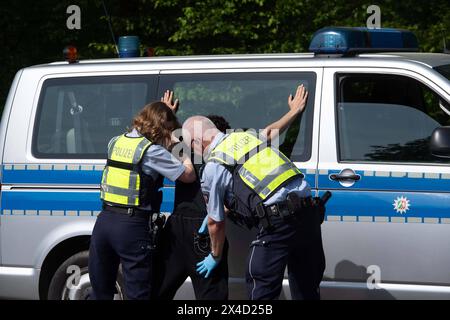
{"points": [[168, 100], [206, 266], [298, 102], [204, 228]]}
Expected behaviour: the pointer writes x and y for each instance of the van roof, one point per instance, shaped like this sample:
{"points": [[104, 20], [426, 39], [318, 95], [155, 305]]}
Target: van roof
{"points": [[428, 59]]}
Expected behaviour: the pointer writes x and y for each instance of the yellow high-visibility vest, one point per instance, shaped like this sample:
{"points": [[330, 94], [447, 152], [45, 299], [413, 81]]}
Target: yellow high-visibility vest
{"points": [[121, 181], [261, 167]]}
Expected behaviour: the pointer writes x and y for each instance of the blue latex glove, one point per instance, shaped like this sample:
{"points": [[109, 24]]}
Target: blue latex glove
{"points": [[204, 228], [206, 266]]}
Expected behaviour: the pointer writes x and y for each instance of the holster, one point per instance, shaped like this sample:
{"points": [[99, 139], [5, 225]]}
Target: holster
{"points": [[263, 217], [300, 206], [319, 208], [157, 223], [296, 204]]}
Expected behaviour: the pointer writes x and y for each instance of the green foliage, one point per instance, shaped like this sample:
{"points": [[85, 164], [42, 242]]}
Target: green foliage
{"points": [[35, 32]]}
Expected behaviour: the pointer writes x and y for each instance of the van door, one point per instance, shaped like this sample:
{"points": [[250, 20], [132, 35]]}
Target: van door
{"points": [[251, 99], [388, 218]]}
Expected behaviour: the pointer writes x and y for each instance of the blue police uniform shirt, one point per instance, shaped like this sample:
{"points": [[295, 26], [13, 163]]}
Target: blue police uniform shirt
{"points": [[217, 186], [159, 161]]}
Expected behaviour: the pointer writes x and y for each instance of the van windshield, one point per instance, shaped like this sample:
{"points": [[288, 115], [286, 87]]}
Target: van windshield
{"points": [[444, 70]]}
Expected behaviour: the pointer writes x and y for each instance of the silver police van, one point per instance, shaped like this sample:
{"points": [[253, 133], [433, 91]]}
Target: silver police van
{"points": [[373, 133]]}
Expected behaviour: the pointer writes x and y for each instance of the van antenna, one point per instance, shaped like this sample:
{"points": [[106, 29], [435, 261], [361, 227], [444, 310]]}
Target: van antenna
{"points": [[110, 26]]}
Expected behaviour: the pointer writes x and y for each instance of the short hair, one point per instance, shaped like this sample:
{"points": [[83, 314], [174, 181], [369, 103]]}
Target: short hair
{"points": [[219, 122]]}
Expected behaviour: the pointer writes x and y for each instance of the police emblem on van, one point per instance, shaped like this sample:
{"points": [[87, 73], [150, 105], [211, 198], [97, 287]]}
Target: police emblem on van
{"points": [[401, 205]]}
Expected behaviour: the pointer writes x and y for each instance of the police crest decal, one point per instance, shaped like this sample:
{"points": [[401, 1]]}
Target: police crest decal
{"points": [[401, 205]]}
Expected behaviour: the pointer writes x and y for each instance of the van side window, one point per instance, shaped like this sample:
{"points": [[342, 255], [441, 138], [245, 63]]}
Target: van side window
{"points": [[248, 100], [77, 117], [386, 118]]}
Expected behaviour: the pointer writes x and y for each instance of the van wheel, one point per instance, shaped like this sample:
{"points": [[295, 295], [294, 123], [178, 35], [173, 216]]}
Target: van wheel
{"points": [[71, 280]]}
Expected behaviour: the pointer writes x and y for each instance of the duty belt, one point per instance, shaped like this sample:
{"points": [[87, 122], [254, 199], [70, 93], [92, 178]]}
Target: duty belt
{"points": [[128, 211], [285, 209]]}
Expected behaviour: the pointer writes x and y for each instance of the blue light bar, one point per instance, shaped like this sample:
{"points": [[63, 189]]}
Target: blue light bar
{"points": [[343, 40], [129, 47]]}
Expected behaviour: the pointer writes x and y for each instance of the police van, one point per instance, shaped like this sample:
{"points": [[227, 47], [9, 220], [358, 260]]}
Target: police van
{"points": [[373, 132]]}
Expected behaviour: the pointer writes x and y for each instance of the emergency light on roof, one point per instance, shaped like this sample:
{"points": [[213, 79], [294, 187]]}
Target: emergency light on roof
{"points": [[70, 54], [348, 41], [129, 47]]}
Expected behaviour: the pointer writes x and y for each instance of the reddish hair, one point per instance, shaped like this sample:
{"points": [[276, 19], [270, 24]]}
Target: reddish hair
{"points": [[156, 121]]}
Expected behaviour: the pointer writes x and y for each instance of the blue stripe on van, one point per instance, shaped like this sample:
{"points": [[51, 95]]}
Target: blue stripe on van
{"points": [[372, 198], [381, 204], [370, 181], [364, 206], [62, 175], [14, 202], [425, 193], [344, 205]]}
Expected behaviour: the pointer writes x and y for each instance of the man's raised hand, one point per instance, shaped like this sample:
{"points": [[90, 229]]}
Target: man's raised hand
{"points": [[168, 100], [298, 102]]}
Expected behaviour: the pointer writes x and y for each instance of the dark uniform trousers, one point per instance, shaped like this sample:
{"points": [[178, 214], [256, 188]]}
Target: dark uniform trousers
{"points": [[177, 259], [295, 243], [120, 238]]}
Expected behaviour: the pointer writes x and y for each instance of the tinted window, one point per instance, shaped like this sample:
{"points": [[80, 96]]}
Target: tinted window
{"points": [[386, 118], [248, 100], [78, 116]]}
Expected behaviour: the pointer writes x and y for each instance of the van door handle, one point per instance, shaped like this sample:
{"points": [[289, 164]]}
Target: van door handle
{"points": [[340, 177], [345, 176]]}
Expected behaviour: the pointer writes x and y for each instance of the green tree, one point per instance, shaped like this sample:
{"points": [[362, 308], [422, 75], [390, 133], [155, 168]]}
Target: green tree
{"points": [[35, 32]]}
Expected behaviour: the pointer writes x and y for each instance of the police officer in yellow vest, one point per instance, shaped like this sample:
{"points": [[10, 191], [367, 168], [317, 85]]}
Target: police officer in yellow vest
{"points": [[265, 189], [137, 162]]}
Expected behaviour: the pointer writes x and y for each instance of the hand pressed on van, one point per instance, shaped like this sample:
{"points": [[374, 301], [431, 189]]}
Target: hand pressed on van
{"points": [[298, 102], [296, 106], [168, 100]]}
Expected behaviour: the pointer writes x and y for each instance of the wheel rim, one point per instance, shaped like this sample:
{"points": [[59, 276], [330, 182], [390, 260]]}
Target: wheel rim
{"points": [[82, 290]]}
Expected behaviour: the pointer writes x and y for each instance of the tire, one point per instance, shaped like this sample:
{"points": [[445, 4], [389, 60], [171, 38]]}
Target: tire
{"points": [[71, 280]]}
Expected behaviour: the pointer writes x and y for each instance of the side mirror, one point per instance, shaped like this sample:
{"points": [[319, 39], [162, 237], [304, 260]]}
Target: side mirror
{"points": [[440, 142]]}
